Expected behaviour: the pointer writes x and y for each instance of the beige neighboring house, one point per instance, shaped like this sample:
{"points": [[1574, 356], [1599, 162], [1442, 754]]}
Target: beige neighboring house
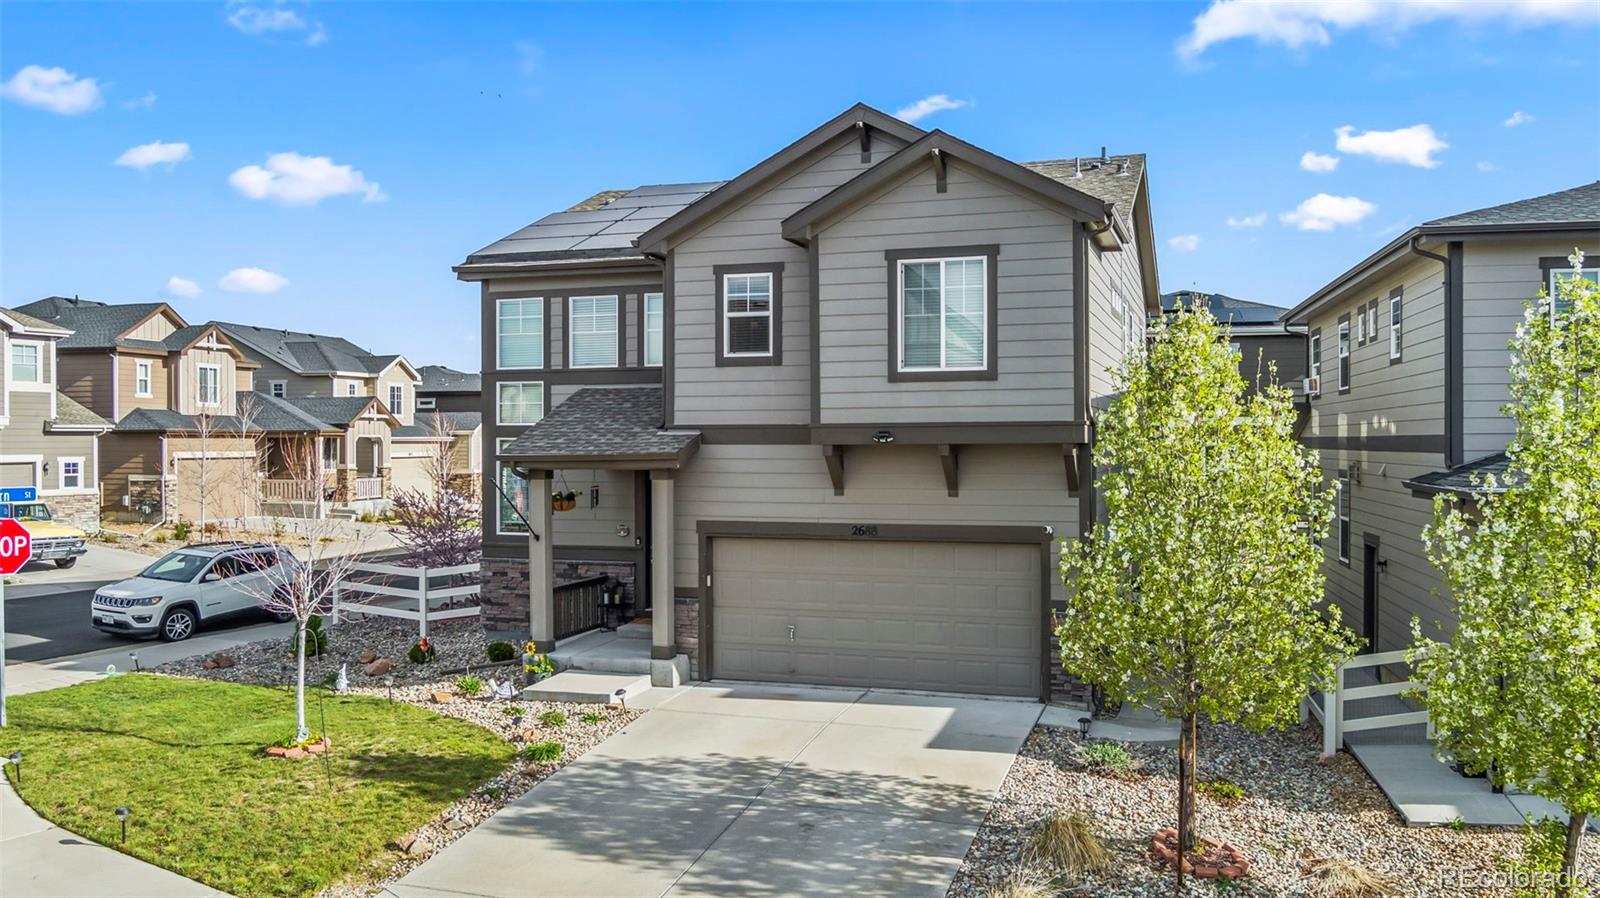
{"points": [[47, 439], [1408, 351]]}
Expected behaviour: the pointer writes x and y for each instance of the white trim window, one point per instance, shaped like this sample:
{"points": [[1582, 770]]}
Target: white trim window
{"points": [[1344, 355], [747, 315], [1342, 486], [141, 379], [1372, 321], [519, 402], [350, 389], [655, 327], [943, 308], [278, 389], [1314, 357], [1396, 310], [208, 384], [592, 331], [397, 400], [511, 497], [1560, 305], [519, 333], [26, 364], [69, 473]]}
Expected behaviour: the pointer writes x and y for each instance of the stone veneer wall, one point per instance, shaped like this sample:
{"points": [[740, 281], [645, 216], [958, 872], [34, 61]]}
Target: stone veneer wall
{"points": [[503, 596], [81, 511], [686, 627], [577, 569], [1065, 689]]}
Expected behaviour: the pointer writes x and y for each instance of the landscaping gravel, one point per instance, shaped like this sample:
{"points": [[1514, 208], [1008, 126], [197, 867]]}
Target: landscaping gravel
{"points": [[1295, 808]]}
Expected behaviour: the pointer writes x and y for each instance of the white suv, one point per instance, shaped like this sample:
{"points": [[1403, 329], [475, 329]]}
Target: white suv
{"points": [[193, 585]]}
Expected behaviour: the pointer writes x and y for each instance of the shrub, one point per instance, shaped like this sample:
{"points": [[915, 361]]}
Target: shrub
{"points": [[422, 652], [316, 638], [1067, 842], [1023, 887], [1221, 790], [594, 717], [180, 530], [553, 719], [512, 710], [109, 536], [1544, 848], [501, 651], [469, 685], [1111, 758], [160, 537], [211, 528], [367, 517], [1335, 877], [543, 752]]}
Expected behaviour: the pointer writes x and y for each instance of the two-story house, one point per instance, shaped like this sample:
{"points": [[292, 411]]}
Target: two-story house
{"points": [[448, 402], [47, 439], [832, 417], [448, 390], [1269, 350], [1409, 352]]}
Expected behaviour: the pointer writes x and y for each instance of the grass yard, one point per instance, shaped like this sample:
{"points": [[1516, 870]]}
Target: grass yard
{"points": [[185, 755]]}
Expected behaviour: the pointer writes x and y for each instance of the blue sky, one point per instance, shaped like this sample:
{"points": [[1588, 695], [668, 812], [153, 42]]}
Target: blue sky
{"points": [[408, 135]]}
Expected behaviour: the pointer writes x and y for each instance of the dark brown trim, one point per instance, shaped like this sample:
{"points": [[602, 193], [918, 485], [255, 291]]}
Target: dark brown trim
{"points": [[991, 256], [641, 535], [720, 273], [1069, 454], [708, 531], [833, 457], [813, 274], [552, 357], [1431, 443], [950, 463], [1389, 349], [579, 376], [669, 340], [1088, 511], [941, 178], [997, 433], [1455, 364], [754, 434], [1080, 324], [866, 141]]}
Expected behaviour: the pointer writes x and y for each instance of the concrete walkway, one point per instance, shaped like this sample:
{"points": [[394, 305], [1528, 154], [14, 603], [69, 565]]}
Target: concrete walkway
{"points": [[750, 790], [37, 676], [42, 860]]}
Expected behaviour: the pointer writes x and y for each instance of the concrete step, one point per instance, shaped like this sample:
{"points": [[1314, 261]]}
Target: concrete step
{"points": [[635, 630], [585, 687]]}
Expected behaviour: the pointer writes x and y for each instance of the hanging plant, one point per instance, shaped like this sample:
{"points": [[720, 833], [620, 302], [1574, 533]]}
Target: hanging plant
{"points": [[563, 501]]}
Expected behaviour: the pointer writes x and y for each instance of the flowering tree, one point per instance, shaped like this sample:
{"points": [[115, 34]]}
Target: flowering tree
{"points": [[1516, 691], [438, 528], [1202, 592]]}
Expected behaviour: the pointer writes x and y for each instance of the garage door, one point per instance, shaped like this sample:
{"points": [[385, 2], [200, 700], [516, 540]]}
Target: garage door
{"points": [[959, 617], [411, 472], [226, 493]]}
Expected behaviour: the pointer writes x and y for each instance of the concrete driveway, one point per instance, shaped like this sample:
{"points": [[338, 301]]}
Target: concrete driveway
{"points": [[751, 790]]}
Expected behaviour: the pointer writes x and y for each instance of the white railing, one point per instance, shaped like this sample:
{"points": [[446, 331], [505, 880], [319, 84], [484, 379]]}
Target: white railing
{"points": [[1332, 713], [425, 596], [369, 488], [288, 491]]}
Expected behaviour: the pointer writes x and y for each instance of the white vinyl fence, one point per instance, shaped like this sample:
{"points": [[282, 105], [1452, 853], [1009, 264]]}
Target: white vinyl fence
{"points": [[422, 603], [1331, 710]]}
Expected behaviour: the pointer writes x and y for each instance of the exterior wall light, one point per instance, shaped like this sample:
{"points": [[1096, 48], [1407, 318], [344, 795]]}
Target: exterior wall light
{"points": [[883, 436]]}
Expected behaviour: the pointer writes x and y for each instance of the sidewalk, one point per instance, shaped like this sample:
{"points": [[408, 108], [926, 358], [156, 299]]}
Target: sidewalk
{"points": [[38, 676], [43, 860]]}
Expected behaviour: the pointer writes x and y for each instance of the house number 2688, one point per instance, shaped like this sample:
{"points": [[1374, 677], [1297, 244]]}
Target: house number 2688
{"points": [[863, 529]]}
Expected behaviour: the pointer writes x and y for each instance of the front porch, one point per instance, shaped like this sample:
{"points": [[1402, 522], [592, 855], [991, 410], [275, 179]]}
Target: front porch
{"points": [[317, 476]]}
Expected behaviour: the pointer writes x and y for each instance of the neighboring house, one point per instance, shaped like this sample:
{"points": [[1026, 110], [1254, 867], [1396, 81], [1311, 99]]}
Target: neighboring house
{"points": [[827, 420], [448, 390], [47, 439], [172, 388], [1410, 350], [1266, 345], [441, 442]]}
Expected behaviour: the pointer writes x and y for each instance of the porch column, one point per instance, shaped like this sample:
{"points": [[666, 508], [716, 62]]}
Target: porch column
{"points": [[541, 567], [662, 638]]}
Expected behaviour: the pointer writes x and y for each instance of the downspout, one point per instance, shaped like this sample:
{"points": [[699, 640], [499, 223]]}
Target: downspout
{"points": [[1453, 454]]}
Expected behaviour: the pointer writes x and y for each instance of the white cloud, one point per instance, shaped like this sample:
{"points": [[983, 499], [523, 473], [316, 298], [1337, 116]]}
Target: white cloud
{"points": [[144, 156], [928, 106], [295, 180], [1486, 166], [185, 288], [1517, 118], [1298, 23], [530, 58], [55, 89], [1324, 212], [265, 18], [1248, 221], [146, 101], [1413, 146], [1185, 243], [252, 280], [1317, 162]]}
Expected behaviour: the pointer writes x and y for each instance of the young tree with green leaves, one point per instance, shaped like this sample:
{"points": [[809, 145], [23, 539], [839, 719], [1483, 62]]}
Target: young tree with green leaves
{"points": [[1202, 591], [1516, 690]]}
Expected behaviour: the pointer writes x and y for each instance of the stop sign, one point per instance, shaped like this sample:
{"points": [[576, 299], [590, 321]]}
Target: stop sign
{"points": [[15, 546]]}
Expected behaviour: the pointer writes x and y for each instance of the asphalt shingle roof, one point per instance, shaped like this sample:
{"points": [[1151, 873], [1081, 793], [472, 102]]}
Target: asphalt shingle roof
{"points": [[1579, 204], [601, 423], [306, 353], [1225, 308], [1463, 480], [165, 420], [454, 422], [26, 320], [69, 413], [1112, 179], [94, 325], [439, 379], [335, 410]]}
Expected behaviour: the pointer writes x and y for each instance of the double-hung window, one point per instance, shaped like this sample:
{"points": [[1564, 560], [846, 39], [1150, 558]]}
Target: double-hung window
{"points": [[141, 379], [747, 314], [1344, 354], [278, 388], [397, 399], [208, 384], [655, 326], [70, 476], [592, 331], [519, 333], [1361, 326], [25, 363], [1372, 321], [519, 402], [1314, 362], [350, 389], [1396, 343], [1342, 487], [943, 314], [1560, 303], [512, 501]]}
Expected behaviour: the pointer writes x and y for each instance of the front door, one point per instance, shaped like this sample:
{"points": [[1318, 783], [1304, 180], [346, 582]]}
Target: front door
{"points": [[1369, 596]]}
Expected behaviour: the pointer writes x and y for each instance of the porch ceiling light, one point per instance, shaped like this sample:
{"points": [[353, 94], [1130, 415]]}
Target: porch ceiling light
{"points": [[883, 436]]}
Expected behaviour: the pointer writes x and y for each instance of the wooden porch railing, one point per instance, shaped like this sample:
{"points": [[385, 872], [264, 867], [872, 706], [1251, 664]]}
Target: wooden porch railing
{"points": [[369, 488], [1331, 711], [578, 605], [273, 490]]}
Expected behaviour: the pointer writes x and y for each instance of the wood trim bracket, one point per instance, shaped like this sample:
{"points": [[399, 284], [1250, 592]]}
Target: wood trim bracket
{"points": [[1070, 456], [950, 461], [833, 456]]}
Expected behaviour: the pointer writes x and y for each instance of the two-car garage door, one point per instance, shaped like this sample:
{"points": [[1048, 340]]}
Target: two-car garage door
{"points": [[944, 616]]}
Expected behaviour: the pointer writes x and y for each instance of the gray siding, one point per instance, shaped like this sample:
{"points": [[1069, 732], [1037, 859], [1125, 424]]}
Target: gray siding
{"points": [[1034, 326], [777, 394], [1115, 287], [1260, 357], [1499, 277], [26, 436], [596, 526], [1003, 485]]}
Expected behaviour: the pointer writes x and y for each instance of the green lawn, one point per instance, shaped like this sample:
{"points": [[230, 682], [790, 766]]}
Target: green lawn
{"points": [[185, 755]]}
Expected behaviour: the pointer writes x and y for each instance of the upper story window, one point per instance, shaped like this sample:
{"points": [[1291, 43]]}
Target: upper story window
{"points": [[1559, 303], [70, 476], [592, 331], [519, 333], [1344, 354], [1342, 487], [943, 314], [350, 389], [141, 379], [1361, 326], [1314, 361], [1396, 310], [1372, 321], [519, 402], [397, 399], [655, 326], [278, 388], [747, 314], [425, 403], [25, 363], [208, 384]]}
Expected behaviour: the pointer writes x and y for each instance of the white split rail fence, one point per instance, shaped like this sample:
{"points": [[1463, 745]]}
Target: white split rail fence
{"points": [[425, 594], [1331, 710]]}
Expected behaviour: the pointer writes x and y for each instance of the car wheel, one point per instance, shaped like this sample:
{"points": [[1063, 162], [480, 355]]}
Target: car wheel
{"points": [[281, 617], [178, 625], [65, 563]]}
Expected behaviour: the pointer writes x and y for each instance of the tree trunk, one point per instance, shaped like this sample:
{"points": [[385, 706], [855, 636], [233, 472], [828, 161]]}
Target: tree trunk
{"points": [[1567, 887], [1186, 803], [300, 732]]}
